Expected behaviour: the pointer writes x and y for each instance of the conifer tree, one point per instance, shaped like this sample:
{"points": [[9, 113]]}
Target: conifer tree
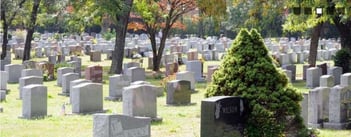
{"points": [[249, 71]]}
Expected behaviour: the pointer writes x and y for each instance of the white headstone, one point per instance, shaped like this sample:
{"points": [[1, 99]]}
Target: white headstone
{"points": [[139, 100], [34, 101], [61, 72], [187, 75], [24, 81], [117, 83], [66, 80], [336, 72], [345, 80], [196, 67], [3, 80], [337, 108], [87, 98], [312, 77], [136, 74], [31, 72], [76, 82], [326, 81], [109, 125], [178, 92], [14, 72]]}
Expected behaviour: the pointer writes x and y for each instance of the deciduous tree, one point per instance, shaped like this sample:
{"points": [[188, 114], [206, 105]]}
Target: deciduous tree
{"points": [[161, 15], [9, 10]]}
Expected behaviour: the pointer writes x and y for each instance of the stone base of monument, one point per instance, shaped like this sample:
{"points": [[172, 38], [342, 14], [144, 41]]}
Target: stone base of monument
{"points": [[6, 90], [313, 125], [113, 98], [156, 119], [188, 104], [89, 113], [201, 80], [338, 126], [33, 118], [64, 94]]}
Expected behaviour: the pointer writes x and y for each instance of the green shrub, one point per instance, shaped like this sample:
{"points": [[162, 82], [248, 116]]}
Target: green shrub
{"points": [[342, 59], [109, 35], [250, 72]]}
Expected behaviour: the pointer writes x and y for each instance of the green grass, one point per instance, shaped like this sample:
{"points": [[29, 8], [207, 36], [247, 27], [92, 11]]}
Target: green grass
{"points": [[178, 121]]}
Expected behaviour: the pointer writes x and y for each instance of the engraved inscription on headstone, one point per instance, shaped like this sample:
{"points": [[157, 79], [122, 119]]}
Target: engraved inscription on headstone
{"points": [[223, 116]]}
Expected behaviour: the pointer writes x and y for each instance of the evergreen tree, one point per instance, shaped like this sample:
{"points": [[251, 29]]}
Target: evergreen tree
{"points": [[249, 71]]}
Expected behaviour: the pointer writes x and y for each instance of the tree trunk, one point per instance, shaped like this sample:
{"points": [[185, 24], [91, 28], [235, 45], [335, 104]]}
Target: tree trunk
{"points": [[4, 41], [121, 30], [156, 60], [5, 29], [316, 31], [345, 35], [201, 25], [30, 30]]}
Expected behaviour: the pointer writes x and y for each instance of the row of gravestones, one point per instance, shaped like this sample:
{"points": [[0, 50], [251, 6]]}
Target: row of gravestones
{"points": [[86, 97], [67, 79], [312, 74], [329, 104], [301, 57]]}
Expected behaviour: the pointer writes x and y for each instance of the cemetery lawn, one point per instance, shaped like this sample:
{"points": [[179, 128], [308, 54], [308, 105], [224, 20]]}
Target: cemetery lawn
{"points": [[178, 121]]}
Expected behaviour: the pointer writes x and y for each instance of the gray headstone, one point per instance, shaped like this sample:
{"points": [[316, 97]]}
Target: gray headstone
{"points": [[326, 81], [6, 61], [76, 82], [34, 101], [52, 59], [95, 56], [3, 80], [139, 100], [178, 92], [136, 74], [128, 65], [223, 116], [13, 71], [288, 74], [318, 106], [345, 80], [284, 59], [187, 75], [313, 76], [117, 83], [292, 68], [66, 81], [77, 63], [196, 67], [24, 81], [159, 90], [31, 72], [61, 72], [87, 98], [336, 72], [337, 108], [109, 125], [140, 83]]}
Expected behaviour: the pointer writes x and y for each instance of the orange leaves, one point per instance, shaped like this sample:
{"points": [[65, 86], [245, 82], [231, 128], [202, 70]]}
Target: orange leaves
{"points": [[136, 26]]}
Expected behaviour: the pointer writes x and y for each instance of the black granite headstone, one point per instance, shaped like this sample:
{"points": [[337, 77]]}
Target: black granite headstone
{"points": [[223, 116]]}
